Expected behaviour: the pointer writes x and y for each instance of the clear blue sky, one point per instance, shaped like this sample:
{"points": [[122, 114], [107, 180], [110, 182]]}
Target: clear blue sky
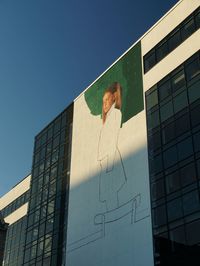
{"points": [[50, 51]]}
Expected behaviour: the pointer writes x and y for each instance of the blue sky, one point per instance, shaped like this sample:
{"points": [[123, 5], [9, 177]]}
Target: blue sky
{"points": [[50, 51]]}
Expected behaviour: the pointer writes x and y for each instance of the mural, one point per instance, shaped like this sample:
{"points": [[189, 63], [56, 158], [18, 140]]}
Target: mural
{"points": [[109, 174]]}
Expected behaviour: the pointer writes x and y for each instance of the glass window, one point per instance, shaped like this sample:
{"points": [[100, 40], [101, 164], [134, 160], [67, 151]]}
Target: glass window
{"points": [[153, 119], [195, 117], [178, 80], [164, 88], [185, 148], [166, 111], [187, 29], [168, 133], [193, 69], [170, 157], [157, 189], [50, 209], [152, 99], [159, 216], [172, 182], [180, 101], [174, 209], [174, 40], [156, 164], [188, 174], [197, 20], [161, 51], [57, 125], [197, 142], [182, 124], [177, 236], [193, 233], [191, 202], [155, 141], [194, 91], [149, 60]]}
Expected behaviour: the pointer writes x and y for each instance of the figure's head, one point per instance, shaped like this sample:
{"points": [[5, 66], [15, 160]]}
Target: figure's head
{"points": [[108, 100], [112, 95]]}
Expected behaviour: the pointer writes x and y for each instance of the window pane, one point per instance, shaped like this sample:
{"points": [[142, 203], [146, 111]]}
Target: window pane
{"points": [[168, 133], [195, 117], [177, 236], [188, 29], [155, 164], [174, 209], [164, 89], [197, 142], [159, 216], [166, 111], [174, 40], [170, 157], [178, 80], [185, 148], [191, 202], [157, 189], [149, 60], [154, 141], [153, 120], [161, 51], [180, 101], [193, 69], [197, 20], [182, 124], [152, 99], [188, 174], [193, 233], [194, 91], [172, 182]]}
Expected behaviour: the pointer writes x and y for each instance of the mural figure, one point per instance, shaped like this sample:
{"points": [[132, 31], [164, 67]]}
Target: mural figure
{"points": [[112, 174]]}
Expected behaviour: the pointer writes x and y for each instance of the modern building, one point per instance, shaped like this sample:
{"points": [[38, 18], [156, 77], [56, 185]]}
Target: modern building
{"points": [[3, 230], [13, 206], [116, 176]]}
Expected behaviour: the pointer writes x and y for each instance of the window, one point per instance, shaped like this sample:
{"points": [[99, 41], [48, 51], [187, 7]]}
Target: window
{"points": [[174, 40], [185, 148], [188, 174], [191, 202], [182, 124], [170, 157], [174, 209], [180, 101], [192, 69], [166, 111], [172, 182], [152, 100], [168, 133], [164, 89], [150, 60], [157, 189], [159, 216], [162, 50], [178, 80], [187, 29]]}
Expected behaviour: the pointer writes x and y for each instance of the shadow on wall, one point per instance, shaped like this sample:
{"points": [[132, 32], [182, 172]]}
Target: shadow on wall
{"points": [[109, 200]]}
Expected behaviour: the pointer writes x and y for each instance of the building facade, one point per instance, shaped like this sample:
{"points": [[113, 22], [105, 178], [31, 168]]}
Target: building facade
{"points": [[115, 177]]}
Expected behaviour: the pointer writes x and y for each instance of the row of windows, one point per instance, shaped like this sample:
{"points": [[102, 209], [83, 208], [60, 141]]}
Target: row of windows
{"points": [[15, 239], [14, 205], [172, 40]]}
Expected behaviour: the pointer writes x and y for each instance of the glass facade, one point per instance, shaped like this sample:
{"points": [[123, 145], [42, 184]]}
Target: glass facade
{"points": [[46, 220], [172, 40], [14, 246], [173, 122]]}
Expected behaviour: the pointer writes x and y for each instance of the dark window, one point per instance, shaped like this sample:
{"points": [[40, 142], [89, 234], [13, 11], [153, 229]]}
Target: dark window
{"points": [[182, 124], [197, 142], [164, 89], [162, 51], [172, 182], [166, 111], [193, 233], [170, 157], [174, 40], [195, 117], [185, 148], [177, 237], [155, 141], [197, 20], [159, 216], [149, 60], [153, 119], [180, 101], [188, 174], [191, 202], [174, 209], [168, 133], [193, 69], [178, 80], [194, 91], [187, 29], [157, 189], [152, 100], [156, 164]]}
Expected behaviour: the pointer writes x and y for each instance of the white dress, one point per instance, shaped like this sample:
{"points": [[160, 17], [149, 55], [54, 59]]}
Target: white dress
{"points": [[112, 175]]}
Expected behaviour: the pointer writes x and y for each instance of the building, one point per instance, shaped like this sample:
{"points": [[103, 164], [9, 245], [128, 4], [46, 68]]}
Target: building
{"points": [[13, 206], [3, 230], [115, 176]]}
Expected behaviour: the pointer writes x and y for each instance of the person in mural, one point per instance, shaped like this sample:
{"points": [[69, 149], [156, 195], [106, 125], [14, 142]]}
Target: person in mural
{"points": [[112, 175]]}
